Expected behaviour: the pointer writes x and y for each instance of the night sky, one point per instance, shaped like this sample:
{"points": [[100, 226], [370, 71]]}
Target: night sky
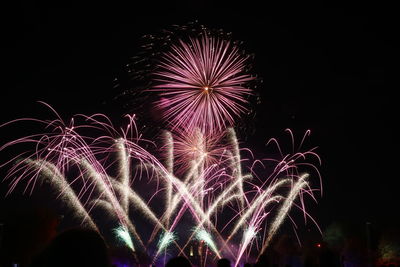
{"points": [[328, 70]]}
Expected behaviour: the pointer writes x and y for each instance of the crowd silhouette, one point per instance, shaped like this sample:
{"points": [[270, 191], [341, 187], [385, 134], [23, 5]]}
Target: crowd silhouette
{"points": [[85, 248], [82, 247]]}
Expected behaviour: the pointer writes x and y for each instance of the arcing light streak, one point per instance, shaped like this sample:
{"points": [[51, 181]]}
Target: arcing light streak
{"points": [[261, 201], [124, 169], [294, 192], [123, 234], [166, 240], [225, 197], [99, 182], [198, 196], [203, 235], [139, 204], [237, 163], [60, 183], [170, 168], [248, 236]]}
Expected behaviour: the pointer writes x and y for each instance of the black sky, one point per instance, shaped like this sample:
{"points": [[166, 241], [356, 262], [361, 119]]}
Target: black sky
{"points": [[331, 70]]}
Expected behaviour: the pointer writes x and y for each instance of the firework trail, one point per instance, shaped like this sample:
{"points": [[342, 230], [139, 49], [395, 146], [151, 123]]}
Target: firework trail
{"points": [[248, 235], [49, 171], [237, 163], [122, 233], [169, 147], [203, 235], [299, 185], [221, 182], [165, 241], [124, 169]]}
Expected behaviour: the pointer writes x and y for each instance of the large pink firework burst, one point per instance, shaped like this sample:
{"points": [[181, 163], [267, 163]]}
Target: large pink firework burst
{"points": [[202, 84]]}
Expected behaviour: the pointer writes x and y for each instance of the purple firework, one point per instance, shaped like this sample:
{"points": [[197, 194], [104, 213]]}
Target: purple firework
{"points": [[202, 84]]}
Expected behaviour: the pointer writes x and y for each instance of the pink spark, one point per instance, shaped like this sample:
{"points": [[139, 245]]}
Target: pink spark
{"points": [[202, 84]]}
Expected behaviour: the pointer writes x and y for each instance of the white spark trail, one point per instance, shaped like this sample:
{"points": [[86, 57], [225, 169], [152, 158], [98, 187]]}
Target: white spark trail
{"points": [[59, 182], [294, 192], [124, 172]]}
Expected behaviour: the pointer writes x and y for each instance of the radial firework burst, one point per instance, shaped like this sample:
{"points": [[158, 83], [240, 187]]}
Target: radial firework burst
{"points": [[194, 145], [202, 84]]}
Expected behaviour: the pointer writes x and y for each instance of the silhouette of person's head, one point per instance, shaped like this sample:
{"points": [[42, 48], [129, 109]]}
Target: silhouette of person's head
{"points": [[262, 262], [76, 247], [178, 262], [223, 263]]}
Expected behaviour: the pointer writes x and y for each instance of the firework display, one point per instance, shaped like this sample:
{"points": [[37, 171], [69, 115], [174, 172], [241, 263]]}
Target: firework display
{"points": [[199, 194], [202, 84]]}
